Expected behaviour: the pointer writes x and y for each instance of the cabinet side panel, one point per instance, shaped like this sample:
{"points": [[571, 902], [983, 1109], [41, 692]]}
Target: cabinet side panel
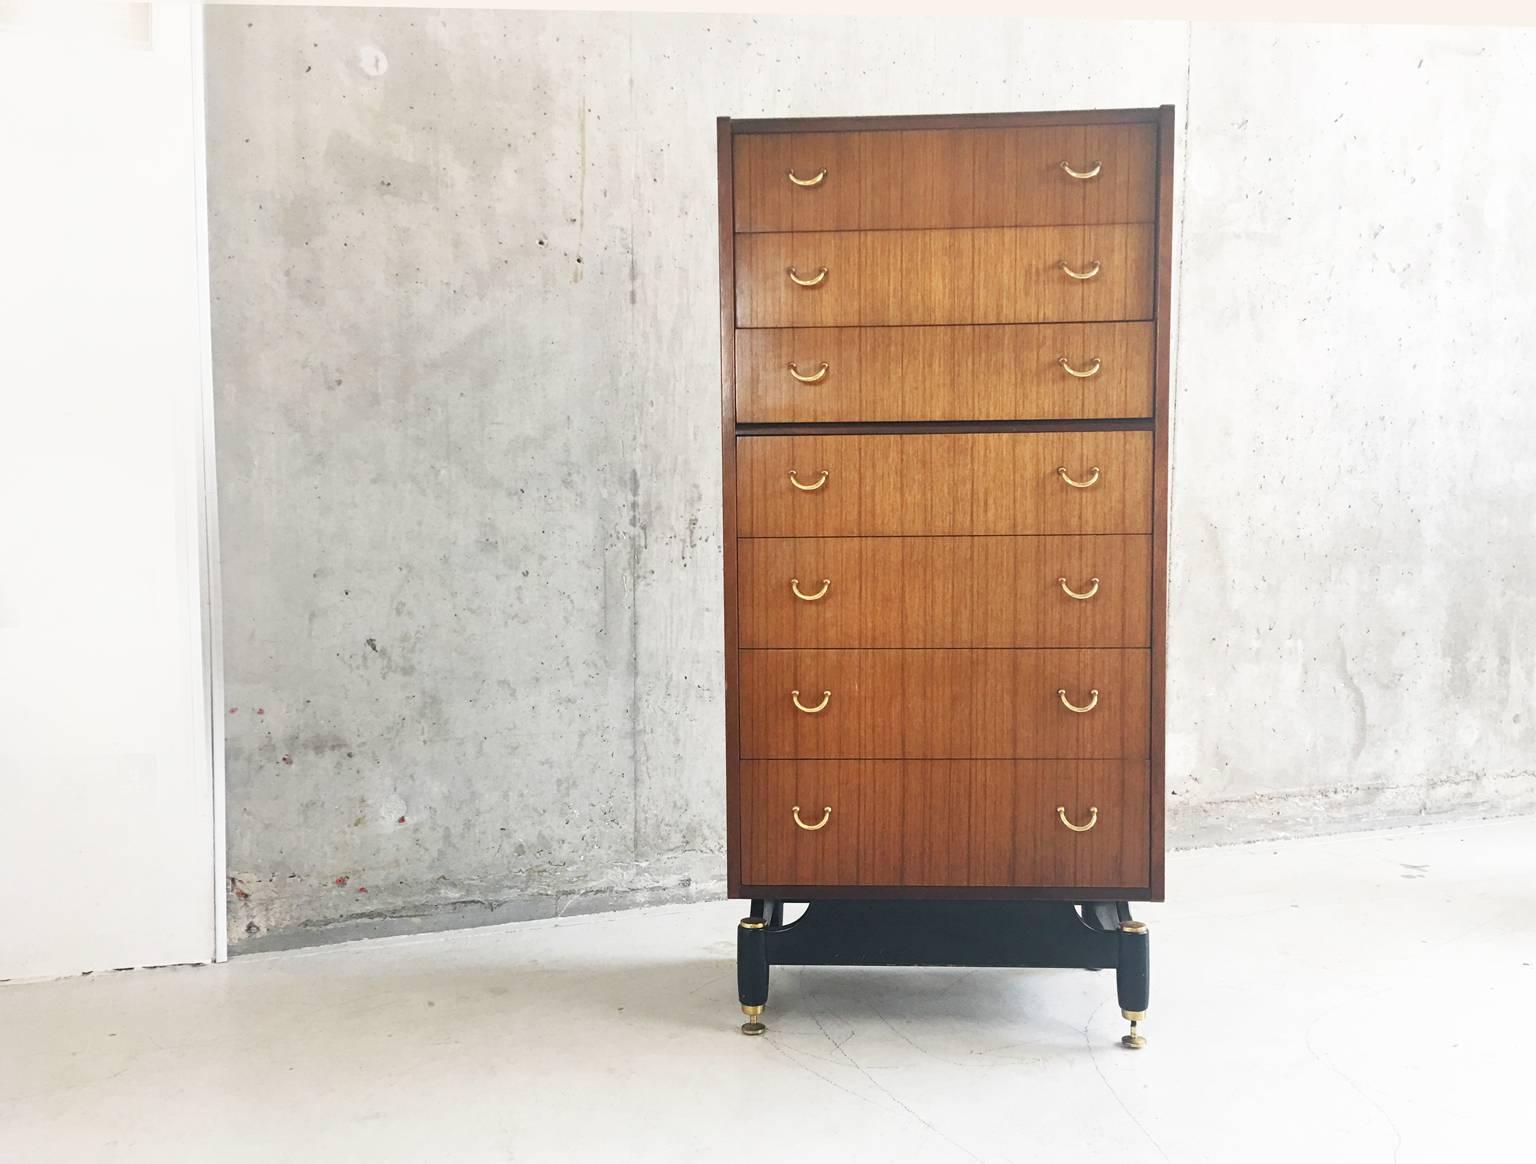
{"points": [[733, 838], [1160, 479]]}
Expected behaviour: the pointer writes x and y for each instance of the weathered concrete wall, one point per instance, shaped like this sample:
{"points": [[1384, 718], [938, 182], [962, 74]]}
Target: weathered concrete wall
{"points": [[465, 349], [1352, 639]]}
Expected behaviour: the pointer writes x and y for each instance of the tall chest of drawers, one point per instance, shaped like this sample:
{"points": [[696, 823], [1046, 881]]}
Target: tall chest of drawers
{"points": [[945, 434]]}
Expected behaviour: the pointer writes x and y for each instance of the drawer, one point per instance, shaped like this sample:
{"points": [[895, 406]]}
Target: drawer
{"points": [[945, 822], [945, 592], [884, 179], [996, 372], [956, 704], [948, 483], [1025, 274]]}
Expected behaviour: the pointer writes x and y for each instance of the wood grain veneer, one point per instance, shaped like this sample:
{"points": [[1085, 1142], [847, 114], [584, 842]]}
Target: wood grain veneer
{"points": [[943, 704], [997, 372], [954, 483], [993, 275], [945, 592], [947, 823], [946, 178]]}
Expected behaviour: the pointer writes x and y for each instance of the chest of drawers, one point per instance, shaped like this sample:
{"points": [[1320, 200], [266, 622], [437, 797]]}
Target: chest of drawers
{"points": [[945, 435]]}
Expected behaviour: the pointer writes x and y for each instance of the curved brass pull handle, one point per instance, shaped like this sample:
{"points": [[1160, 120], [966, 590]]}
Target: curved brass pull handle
{"points": [[1087, 594], [826, 815], [1080, 175], [826, 584], [816, 179], [816, 279], [1066, 366], [1061, 471], [1093, 701], [826, 698], [1093, 269], [795, 481], [814, 378], [1061, 811]]}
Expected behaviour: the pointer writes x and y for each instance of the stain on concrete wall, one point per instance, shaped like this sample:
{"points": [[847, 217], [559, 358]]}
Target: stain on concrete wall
{"points": [[464, 275]]}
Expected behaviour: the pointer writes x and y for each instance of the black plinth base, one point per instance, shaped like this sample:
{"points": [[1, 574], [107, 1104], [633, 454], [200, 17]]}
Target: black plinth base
{"points": [[945, 933]]}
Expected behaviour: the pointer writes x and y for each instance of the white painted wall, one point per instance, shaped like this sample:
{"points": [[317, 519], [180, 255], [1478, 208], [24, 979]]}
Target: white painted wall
{"points": [[107, 792]]}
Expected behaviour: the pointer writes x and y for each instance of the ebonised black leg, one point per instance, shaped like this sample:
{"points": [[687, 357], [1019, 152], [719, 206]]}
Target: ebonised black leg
{"points": [[1133, 978], [752, 969]]}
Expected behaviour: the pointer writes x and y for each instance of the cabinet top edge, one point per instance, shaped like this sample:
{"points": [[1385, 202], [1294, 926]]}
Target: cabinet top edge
{"points": [[945, 121]]}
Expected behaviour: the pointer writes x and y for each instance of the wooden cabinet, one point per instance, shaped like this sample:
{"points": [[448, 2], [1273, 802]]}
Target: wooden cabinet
{"points": [[945, 407]]}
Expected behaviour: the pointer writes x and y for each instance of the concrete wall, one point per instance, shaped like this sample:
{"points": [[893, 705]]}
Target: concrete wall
{"points": [[465, 345]]}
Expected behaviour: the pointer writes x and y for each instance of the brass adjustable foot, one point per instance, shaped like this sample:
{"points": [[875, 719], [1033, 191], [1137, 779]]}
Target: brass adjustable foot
{"points": [[1133, 1040], [754, 1024]]}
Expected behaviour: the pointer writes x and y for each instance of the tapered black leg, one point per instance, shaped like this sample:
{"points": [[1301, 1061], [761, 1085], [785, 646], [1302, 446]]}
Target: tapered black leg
{"points": [[1133, 978], [752, 971]]}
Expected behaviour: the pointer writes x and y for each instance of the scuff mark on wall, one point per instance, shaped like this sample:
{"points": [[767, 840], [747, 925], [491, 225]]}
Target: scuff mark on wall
{"points": [[1357, 700]]}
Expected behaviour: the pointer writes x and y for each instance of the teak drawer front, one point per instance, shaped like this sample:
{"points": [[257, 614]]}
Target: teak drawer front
{"points": [[945, 592], [945, 822], [958, 704], [992, 372], [995, 275], [948, 483], [908, 179]]}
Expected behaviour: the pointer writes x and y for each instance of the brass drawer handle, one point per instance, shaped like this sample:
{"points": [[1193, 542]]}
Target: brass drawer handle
{"points": [[1061, 471], [815, 377], [817, 179], [826, 815], [1093, 701], [822, 480], [826, 698], [1093, 367], [1083, 597], [826, 584], [1061, 811], [816, 279], [1081, 175], [1093, 269]]}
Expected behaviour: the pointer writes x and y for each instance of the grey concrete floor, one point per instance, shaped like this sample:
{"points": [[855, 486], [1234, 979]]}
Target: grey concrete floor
{"points": [[1353, 998]]}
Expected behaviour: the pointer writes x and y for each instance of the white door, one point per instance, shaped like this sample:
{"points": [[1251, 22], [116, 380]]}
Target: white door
{"points": [[109, 851]]}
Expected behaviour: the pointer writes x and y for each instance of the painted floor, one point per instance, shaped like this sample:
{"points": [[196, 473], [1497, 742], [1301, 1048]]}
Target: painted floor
{"points": [[1354, 998]]}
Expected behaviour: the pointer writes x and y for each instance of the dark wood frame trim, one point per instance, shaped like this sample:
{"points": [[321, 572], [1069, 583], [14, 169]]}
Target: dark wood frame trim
{"points": [[1159, 423], [931, 427], [1156, 717], [947, 121], [728, 488], [947, 892]]}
